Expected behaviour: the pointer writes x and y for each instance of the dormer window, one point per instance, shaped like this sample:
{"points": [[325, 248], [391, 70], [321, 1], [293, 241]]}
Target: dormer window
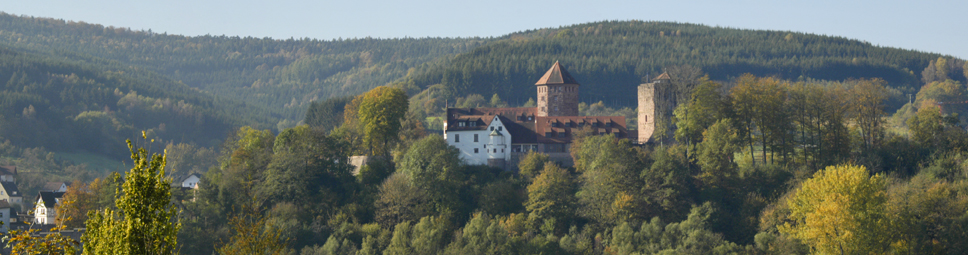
{"points": [[500, 128], [461, 123]]}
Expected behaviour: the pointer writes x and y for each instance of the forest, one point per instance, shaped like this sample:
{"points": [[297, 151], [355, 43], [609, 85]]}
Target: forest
{"points": [[778, 143]]}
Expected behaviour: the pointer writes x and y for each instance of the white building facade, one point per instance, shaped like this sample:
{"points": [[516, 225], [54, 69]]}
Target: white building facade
{"points": [[482, 140]]}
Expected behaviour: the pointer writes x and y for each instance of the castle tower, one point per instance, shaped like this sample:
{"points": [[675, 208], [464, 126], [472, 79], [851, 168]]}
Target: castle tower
{"points": [[557, 93], [650, 96]]}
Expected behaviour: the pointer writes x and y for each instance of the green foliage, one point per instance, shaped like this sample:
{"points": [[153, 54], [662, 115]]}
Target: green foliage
{"points": [[436, 168], [609, 168], [482, 235], [380, 113], [400, 201], [307, 164], [930, 215], [253, 236], [927, 126], [531, 165], [705, 106], [327, 114], [145, 221], [691, 236], [551, 197], [715, 153]]}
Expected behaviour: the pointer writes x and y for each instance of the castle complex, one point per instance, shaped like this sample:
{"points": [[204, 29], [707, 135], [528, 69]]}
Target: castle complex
{"points": [[499, 137]]}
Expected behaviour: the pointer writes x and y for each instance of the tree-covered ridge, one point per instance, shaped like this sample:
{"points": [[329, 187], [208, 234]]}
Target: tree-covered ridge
{"points": [[610, 58], [283, 76], [71, 102]]}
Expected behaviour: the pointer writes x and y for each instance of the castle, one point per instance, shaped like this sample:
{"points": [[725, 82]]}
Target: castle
{"points": [[499, 137]]}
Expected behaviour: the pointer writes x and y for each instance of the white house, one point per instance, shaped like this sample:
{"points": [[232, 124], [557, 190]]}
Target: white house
{"points": [[56, 186], [45, 211], [481, 139], [4, 216], [7, 173], [191, 181]]}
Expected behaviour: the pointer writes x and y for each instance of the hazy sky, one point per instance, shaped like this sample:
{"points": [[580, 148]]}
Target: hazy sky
{"points": [[924, 25]]}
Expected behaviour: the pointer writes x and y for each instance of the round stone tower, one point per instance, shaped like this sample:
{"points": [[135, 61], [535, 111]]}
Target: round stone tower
{"points": [[557, 93]]}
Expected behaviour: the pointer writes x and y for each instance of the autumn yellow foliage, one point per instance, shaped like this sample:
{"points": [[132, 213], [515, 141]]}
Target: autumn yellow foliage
{"points": [[841, 210]]}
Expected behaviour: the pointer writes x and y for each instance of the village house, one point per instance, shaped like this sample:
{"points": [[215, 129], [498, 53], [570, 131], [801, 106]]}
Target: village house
{"points": [[191, 181], [45, 210], [10, 194], [56, 186]]}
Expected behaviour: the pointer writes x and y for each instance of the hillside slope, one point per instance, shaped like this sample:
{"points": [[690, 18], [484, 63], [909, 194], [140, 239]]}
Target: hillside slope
{"points": [[280, 78], [283, 76], [610, 58], [70, 102]]}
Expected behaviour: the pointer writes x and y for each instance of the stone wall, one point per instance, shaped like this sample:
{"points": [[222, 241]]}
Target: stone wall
{"points": [[558, 100], [646, 109]]}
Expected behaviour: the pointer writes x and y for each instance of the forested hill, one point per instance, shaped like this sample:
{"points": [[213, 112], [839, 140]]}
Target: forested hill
{"points": [[72, 102], [277, 79], [610, 58], [283, 76]]}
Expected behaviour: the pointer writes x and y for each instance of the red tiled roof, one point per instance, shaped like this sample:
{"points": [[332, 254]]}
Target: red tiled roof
{"points": [[525, 127], [663, 76], [556, 75]]}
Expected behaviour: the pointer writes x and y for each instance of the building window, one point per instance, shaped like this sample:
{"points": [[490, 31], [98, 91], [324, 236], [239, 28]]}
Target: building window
{"points": [[548, 134], [492, 128], [460, 124], [561, 135], [473, 123], [475, 150], [502, 151], [495, 150], [475, 138], [457, 138], [500, 128]]}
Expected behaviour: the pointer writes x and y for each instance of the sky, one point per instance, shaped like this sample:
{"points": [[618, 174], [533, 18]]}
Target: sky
{"points": [[924, 25]]}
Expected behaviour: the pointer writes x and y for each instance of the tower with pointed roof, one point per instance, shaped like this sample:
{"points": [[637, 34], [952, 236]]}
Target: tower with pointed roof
{"points": [[557, 93]]}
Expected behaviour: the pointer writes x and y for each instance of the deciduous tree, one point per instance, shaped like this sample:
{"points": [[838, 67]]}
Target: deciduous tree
{"points": [[145, 221], [380, 113], [841, 210]]}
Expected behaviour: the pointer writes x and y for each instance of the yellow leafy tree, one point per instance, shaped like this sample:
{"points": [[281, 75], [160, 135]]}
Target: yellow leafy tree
{"points": [[30, 241], [841, 210]]}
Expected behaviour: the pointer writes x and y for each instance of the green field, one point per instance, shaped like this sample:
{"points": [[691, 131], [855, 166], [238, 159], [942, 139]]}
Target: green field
{"points": [[95, 163]]}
